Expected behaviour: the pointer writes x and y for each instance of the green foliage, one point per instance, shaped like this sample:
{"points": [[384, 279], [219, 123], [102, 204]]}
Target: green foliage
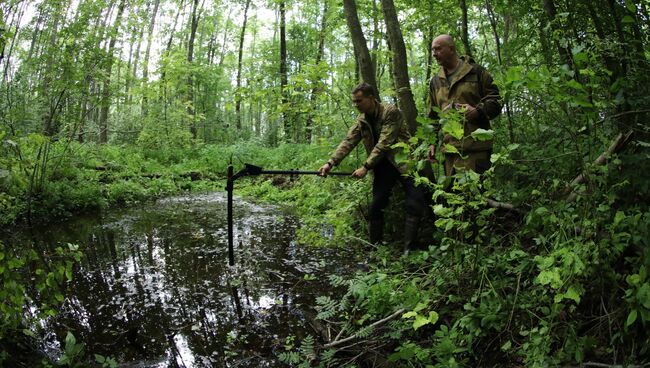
{"points": [[106, 362], [563, 284], [32, 289], [72, 352]]}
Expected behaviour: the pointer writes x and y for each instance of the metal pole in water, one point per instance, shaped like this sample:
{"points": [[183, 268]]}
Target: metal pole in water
{"points": [[229, 188]]}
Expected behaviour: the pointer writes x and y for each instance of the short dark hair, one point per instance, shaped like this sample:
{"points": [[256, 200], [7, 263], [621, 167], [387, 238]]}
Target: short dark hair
{"points": [[365, 88]]}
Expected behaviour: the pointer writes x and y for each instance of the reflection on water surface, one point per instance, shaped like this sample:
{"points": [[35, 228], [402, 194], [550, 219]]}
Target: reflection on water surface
{"points": [[154, 288]]}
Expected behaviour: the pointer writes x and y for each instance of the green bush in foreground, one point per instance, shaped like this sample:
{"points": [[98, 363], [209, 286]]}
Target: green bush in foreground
{"points": [[565, 283]]}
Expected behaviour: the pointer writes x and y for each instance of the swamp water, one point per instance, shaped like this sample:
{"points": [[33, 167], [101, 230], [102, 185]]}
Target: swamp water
{"points": [[154, 288]]}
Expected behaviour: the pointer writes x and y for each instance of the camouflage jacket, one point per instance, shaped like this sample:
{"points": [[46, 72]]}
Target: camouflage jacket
{"points": [[392, 128], [472, 85]]}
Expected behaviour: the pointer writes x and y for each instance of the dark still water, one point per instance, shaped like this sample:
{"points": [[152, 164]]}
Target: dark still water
{"points": [[154, 288]]}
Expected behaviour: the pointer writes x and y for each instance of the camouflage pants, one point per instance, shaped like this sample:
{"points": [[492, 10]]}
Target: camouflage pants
{"points": [[479, 162]]}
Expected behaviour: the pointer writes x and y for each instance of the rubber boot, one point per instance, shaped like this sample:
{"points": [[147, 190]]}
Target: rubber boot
{"points": [[376, 230], [411, 227]]}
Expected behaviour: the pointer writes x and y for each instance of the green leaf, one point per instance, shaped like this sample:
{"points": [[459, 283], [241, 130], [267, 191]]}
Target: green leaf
{"points": [[620, 215], [573, 294], [627, 19], [643, 295], [631, 318], [409, 314], [421, 305], [454, 128], [450, 148], [581, 101], [482, 134], [433, 317], [420, 321], [70, 339], [550, 277]]}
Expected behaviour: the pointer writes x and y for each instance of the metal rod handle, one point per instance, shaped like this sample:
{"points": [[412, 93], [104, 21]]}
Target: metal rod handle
{"points": [[229, 188], [299, 172]]}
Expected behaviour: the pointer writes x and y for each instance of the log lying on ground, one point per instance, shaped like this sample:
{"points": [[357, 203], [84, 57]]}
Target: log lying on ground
{"points": [[617, 145], [506, 206]]}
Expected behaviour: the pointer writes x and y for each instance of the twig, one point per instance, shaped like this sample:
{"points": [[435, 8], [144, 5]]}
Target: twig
{"points": [[546, 158], [633, 112], [514, 303], [364, 241], [354, 336], [338, 335]]}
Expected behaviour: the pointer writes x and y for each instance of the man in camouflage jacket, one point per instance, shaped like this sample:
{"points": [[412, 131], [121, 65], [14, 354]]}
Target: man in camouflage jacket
{"points": [[467, 87], [379, 126]]}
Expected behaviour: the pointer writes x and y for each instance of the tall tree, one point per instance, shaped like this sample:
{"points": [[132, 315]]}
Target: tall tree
{"points": [[238, 97], [465, 28], [147, 54], [317, 88], [288, 131], [106, 89], [364, 61], [3, 37], [194, 23], [551, 12], [400, 64]]}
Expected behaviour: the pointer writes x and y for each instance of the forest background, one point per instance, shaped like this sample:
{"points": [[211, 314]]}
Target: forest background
{"points": [[113, 102]]}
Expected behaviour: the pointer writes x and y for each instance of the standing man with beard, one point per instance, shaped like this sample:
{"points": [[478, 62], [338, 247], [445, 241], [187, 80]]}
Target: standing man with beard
{"points": [[462, 85], [380, 126]]}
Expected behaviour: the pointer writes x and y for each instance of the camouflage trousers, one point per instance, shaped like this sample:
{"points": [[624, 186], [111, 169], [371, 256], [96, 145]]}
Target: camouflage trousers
{"points": [[478, 161]]}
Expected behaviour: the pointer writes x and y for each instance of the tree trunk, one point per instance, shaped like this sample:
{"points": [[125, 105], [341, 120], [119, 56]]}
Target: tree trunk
{"points": [[3, 28], [465, 28], [619, 29], [147, 53], [551, 12], [16, 25], [190, 79], [493, 25], [543, 41], [611, 63], [317, 88], [364, 60], [226, 31], [427, 44], [106, 93], [242, 34], [288, 131], [54, 97], [134, 72], [400, 65], [376, 42]]}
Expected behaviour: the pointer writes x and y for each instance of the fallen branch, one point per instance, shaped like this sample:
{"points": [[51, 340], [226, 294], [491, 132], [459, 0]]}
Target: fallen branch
{"points": [[617, 145], [603, 365], [504, 205], [373, 325]]}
